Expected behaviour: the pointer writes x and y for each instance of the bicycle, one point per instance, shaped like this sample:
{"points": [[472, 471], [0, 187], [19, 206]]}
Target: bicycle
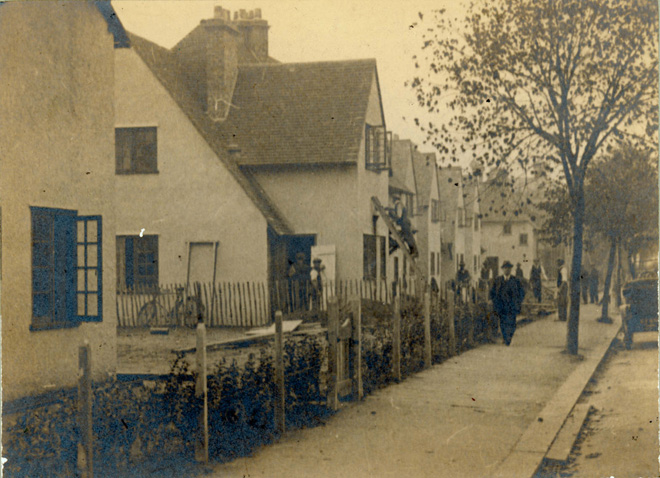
{"points": [[185, 311]]}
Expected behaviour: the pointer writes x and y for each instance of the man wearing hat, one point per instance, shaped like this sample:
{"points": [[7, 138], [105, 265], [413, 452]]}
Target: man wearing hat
{"points": [[507, 295], [316, 277]]}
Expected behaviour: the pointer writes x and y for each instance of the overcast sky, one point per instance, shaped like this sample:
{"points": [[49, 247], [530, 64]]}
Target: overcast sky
{"points": [[315, 30]]}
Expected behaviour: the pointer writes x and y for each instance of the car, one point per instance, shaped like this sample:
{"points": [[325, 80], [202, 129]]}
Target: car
{"points": [[640, 312]]}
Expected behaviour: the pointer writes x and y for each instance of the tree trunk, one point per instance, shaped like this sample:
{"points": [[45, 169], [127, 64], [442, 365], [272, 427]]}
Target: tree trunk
{"points": [[576, 266], [608, 282]]}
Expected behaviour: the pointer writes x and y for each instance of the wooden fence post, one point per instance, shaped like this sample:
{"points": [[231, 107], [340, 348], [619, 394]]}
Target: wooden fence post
{"points": [[396, 339], [280, 400], [356, 307], [451, 314], [428, 353], [333, 325], [201, 393], [85, 397]]}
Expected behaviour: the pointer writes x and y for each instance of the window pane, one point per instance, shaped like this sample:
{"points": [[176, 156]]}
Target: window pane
{"points": [[92, 304], [81, 256], [81, 280], [92, 280], [81, 304], [81, 232], [92, 256], [91, 231]]}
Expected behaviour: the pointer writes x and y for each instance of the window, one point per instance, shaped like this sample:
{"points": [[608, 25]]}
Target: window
{"points": [[475, 264], [378, 150], [66, 268], [137, 262], [369, 256], [476, 222], [507, 229], [523, 239], [432, 263], [136, 150], [437, 258], [461, 217], [435, 210]]}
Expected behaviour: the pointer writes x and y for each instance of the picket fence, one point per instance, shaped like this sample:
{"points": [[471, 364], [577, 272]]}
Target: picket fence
{"points": [[242, 304]]}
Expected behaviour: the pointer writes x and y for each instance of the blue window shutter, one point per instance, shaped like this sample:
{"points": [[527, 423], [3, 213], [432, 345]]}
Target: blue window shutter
{"points": [[65, 267]]}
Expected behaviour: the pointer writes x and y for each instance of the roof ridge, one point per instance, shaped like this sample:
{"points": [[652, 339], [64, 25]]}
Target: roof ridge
{"points": [[370, 61]]}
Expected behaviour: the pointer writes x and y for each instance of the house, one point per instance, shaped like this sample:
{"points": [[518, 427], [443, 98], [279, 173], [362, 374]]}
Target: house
{"points": [[509, 232], [56, 177], [185, 211], [452, 221], [427, 219], [264, 159]]}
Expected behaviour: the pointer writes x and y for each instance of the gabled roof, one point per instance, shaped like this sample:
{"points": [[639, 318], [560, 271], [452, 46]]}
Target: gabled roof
{"points": [[299, 113], [167, 70], [423, 166]]}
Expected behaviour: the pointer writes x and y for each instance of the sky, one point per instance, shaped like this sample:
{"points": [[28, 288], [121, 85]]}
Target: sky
{"points": [[316, 30]]}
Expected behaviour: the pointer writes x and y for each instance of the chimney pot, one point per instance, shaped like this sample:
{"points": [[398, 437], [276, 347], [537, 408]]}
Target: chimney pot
{"points": [[251, 14], [257, 13], [243, 14]]}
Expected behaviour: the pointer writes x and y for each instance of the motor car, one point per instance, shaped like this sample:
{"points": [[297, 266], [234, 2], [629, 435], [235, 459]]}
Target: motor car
{"points": [[640, 311]]}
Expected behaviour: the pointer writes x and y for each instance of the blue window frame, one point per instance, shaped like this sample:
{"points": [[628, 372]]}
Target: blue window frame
{"points": [[66, 268]]}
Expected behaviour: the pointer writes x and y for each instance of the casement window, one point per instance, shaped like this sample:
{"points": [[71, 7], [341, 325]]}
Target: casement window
{"points": [[435, 210], [383, 257], [136, 150], [476, 222], [506, 230], [432, 263], [437, 258], [66, 268], [378, 148], [523, 239], [137, 262]]}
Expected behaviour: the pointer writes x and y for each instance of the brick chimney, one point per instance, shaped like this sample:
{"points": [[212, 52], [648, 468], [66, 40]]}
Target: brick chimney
{"points": [[255, 33], [209, 55]]}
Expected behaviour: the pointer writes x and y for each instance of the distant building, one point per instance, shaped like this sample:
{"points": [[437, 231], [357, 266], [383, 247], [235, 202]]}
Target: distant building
{"points": [[57, 177]]}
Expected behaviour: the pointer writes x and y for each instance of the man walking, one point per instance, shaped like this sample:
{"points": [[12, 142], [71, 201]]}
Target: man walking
{"points": [[584, 285], [507, 295], [562, 290]]}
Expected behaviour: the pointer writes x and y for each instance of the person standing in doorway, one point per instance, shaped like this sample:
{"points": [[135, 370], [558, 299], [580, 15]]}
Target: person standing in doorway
{"points": [[562, 290], [593, 285], [299, 282], [507, 295]]}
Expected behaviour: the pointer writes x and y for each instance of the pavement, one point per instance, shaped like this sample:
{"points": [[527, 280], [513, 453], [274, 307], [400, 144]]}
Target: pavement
{"points": [[492, 411], [620, 436]]}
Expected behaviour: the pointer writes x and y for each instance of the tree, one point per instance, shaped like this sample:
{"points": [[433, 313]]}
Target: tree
{"points": [[622, 205], [551, 82]]}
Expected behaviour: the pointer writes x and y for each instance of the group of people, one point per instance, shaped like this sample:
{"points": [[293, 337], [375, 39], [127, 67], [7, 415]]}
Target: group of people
{"points": [[306, 283], [508, 291]]}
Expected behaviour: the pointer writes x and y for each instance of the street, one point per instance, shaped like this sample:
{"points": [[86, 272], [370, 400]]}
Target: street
{"points": [[620, 435]]}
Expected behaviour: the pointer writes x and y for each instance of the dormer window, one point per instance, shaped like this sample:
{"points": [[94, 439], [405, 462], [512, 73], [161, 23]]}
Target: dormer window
{"points": [[378, 148], [136, 150]]}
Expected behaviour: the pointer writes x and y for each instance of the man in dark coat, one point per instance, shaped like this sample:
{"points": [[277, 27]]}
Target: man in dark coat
{"points": [[507, 295]]}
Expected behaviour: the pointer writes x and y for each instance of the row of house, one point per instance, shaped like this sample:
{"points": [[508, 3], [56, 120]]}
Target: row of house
{"points": [[126, 164]]}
